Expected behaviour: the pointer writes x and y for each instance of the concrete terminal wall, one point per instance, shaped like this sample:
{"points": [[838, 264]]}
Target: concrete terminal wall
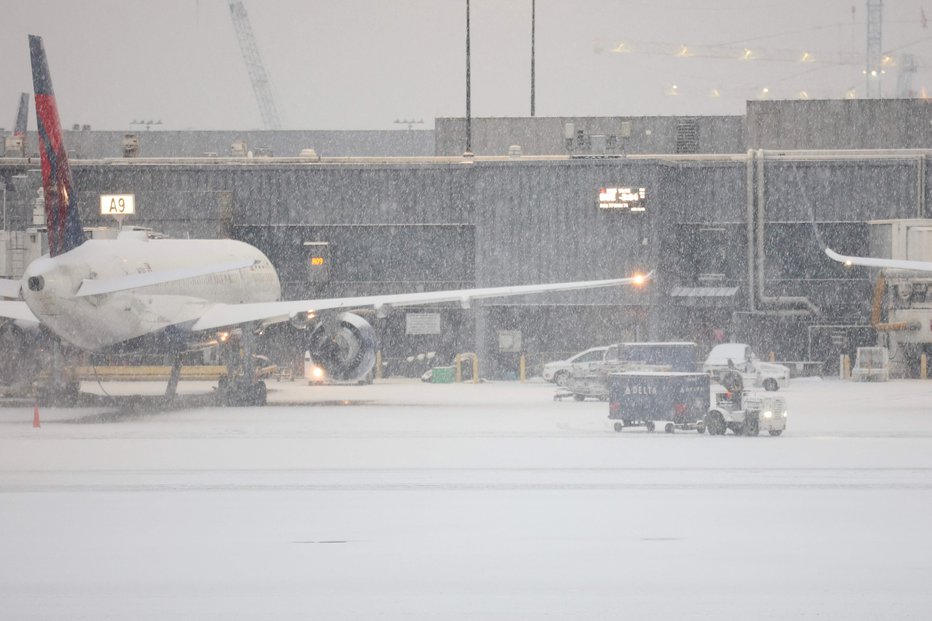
{"points": [[544, 135], [779, 124], [427, 224], [840, 124]]}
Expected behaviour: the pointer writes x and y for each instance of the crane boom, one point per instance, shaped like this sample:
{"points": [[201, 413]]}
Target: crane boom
{"points": [[257, 75]]}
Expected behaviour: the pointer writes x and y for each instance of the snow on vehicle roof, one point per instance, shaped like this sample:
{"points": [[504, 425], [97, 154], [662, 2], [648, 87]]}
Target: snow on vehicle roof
{"points": [[655, 343], [721, 353], [660, 373]]}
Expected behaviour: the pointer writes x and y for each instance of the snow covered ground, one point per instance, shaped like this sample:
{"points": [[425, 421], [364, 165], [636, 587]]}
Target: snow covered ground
{"points": [[405, 500]]}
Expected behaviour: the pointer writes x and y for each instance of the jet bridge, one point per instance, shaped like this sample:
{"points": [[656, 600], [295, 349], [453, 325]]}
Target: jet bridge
{"points": [[901, 309]]}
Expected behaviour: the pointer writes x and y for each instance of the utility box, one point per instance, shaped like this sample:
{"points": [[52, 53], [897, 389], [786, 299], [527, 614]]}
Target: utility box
{"points": [[871, 365], [130, 145], [443, 375], [238, 148], [14, 146]]}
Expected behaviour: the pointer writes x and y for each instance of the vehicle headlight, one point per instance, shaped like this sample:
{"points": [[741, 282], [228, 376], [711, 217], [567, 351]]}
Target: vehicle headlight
{"points": [[317, 372], [768, 414], [784, 413]]}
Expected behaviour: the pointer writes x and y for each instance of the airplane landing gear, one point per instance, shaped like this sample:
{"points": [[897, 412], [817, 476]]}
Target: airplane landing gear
{"points": [[239, 387]]}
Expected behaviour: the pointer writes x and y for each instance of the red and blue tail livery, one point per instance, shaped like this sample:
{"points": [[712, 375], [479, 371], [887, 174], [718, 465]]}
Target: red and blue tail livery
{"points": [[61, 205]]}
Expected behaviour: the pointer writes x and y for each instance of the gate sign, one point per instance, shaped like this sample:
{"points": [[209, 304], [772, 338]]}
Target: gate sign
{"points": [[625, 200], [117, 204], [318, 261]]}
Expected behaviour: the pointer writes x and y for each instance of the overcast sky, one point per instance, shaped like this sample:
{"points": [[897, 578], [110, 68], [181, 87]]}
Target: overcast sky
{"points": [[363, 64]]}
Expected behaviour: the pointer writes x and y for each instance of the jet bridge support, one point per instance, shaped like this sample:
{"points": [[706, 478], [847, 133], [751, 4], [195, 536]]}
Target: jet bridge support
{"points": [[173, 378], [60, 388]]}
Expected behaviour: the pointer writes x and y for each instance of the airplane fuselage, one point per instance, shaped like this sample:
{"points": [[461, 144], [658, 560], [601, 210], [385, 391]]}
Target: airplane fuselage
{"points": [[50, 287]]}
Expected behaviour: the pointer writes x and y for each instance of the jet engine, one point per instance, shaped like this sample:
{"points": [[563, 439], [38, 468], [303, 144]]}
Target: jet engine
{"points": [[344, 347]]}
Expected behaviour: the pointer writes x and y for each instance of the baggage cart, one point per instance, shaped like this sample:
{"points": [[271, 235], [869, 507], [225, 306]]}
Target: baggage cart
{"points": [[650, 399]]}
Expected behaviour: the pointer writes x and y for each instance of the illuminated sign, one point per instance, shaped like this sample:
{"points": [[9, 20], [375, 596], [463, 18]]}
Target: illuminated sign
{"points": [[117, 204], [625, 200], [318, 261]]}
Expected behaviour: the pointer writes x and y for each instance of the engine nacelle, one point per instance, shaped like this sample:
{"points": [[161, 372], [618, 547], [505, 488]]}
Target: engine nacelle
{"points": [[344, 348]]}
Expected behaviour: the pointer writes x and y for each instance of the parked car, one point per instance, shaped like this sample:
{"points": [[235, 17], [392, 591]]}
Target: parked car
{"points": [[754, 372], [558, 370]]}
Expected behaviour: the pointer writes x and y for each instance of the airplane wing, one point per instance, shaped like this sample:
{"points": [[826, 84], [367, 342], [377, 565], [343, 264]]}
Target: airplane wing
{"points": [[9, 288], [223, 315], [919, 266], [17, 310], [93, 286]]}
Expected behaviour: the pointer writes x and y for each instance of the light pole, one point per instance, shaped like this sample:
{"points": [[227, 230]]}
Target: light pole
{"points": [[468, 151], [533, 12]]}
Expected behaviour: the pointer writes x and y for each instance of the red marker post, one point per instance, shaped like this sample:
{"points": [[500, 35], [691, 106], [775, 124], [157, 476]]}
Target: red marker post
{"points": [[35, 411]]}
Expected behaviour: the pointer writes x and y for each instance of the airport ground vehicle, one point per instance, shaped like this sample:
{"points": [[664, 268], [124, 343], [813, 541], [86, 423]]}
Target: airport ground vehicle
{"points": [[766, 375], [746, 414], [672, 399], [689, 401]]}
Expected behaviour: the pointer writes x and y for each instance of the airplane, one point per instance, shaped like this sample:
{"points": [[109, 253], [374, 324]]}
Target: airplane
{"points": [[175, 295], [897, 264]]}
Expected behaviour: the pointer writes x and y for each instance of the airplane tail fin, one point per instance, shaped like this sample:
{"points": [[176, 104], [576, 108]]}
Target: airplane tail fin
{"points": [[61, 204], [22, 115]]}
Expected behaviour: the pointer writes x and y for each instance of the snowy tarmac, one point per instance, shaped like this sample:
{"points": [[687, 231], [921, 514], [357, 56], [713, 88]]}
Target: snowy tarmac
{"points": [[405, 500]]}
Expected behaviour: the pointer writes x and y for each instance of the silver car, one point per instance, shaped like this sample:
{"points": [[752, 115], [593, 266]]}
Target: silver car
{"points": [[558, 370]]}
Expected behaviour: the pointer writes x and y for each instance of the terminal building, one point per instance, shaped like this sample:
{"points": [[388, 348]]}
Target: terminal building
{"points": [[724, 210]]}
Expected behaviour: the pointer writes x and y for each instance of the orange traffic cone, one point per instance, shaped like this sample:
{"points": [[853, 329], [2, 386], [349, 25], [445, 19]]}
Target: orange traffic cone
{"points": [[35, 416]]}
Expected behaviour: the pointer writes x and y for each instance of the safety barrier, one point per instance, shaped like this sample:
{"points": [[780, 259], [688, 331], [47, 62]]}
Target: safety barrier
{"points": [[148, 373]]}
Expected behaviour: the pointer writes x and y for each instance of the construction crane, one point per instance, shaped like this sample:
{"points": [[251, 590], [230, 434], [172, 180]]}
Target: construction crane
{"points": [[873, 71], [260, 79], [904, 82], [879, 63], [875, 61]]}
